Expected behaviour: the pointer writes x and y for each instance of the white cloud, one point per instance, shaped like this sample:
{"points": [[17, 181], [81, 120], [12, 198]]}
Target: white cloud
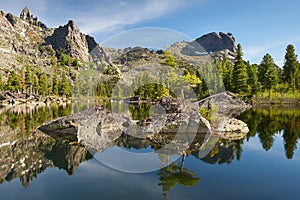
{"points": [[254, 52], [93, 16], [124, 13]]}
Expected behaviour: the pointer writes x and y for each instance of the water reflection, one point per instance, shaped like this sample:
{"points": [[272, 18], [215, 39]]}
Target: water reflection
{"points": [[271, 123], [24, 152]]}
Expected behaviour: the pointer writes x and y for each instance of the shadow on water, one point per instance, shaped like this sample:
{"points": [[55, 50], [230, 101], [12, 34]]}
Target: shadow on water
{"points": [[25, 153]]}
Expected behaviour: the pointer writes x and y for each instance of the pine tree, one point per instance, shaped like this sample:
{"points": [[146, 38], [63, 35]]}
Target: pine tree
{"points": [[227, 69], [35, 83], [240, 76], [65, 86], [291, 67], [13, 82], [1, 83], [29, 79], [252, 78], [55, 85], [268, 75], [22, 80], [43, 84]]}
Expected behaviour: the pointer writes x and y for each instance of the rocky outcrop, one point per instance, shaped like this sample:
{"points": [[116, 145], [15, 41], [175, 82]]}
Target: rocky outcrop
{"points": [[213, 42], [228, 104], [28, 17], [95, 128], [70, 40], [208, 47], [229, 125]]}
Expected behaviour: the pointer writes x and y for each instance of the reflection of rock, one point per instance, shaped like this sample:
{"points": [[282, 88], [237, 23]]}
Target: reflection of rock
{"points": [[223, 152], [27, 157], [66, 156]]}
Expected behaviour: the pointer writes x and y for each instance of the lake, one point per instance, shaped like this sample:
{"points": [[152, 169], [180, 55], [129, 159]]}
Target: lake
{"points": [[263, 165]]}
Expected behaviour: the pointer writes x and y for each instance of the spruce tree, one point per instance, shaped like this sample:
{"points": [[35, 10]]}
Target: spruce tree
{"points": [[268, 73], [29, 79], [13, 82], [252, 78], [240, 76], [22, 80], [35, 83], [291, 67], [1, 83], [55, 85], [43, 84], [65, 86]]}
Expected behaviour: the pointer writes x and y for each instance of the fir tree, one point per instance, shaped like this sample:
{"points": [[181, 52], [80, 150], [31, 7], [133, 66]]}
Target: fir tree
{"points": [[65, 86], [22, 80], [29, 79], [291, 67], [268, 73], [1, 83], [55, 85], [43, 84], [252, 78], [13, 82], [240, 76]]}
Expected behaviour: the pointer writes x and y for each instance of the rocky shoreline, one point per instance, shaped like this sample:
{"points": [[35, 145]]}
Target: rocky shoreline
{"points": [[97, 127], [8, 98]]}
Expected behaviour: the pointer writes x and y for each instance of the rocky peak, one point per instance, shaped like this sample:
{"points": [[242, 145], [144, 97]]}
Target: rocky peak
{"points": [[28, 17], [214, 42], [71, 24], [69, 39], [25, 14]]}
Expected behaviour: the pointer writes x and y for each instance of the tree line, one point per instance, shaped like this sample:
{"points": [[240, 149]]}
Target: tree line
{"points": [[245, 79], [32, 81], [249, 80]]}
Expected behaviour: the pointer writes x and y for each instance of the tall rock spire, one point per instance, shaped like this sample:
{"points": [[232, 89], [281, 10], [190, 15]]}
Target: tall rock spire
{"points": [[25, 14]]}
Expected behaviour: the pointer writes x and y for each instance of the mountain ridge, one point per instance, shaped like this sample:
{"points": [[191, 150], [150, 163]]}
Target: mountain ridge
{"points": [[25, 40]]}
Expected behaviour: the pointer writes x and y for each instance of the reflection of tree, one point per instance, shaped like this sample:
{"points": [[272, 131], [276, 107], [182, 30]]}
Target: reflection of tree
{"points": [[291, 136], [140, 112], [173, 174], [268, 122], [224, 151]]}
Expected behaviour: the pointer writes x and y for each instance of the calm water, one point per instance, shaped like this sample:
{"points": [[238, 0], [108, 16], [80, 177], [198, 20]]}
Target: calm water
{"points": [[263, 165]]}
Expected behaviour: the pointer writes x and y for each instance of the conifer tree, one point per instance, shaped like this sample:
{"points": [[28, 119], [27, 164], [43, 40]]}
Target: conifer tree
{"points": [[13, 82], [43, 84], [252, 78], [22, 80], [291, 67], [240, 76], [1, 83], [29, 79], [64, 86], [55, 85], [268, 73]]}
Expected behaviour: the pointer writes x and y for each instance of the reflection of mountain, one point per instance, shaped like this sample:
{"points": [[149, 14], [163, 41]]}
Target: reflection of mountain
{"points": [[269, 122], [31, 155], [25, 154]]}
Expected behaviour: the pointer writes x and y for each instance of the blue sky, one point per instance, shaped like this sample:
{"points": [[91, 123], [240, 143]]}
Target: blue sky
{"points": [[261, 26]]}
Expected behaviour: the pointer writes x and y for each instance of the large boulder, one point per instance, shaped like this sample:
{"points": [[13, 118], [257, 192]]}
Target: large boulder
{"points": [[95, 128], [228, 104]]}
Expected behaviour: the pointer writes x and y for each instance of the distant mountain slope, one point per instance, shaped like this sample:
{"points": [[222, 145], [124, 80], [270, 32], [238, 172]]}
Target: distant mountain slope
{"points": [[24, 40]]}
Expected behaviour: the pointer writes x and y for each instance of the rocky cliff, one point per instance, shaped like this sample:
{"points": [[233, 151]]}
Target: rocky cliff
{"points": [[70, 40], [26, 40]]}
